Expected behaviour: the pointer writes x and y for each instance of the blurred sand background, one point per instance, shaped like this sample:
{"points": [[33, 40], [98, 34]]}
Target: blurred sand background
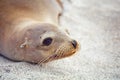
{"points": [[96, 25]]}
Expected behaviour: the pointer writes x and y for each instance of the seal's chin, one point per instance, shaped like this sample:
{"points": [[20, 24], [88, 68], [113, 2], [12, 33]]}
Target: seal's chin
{"points": [[62, 52]]}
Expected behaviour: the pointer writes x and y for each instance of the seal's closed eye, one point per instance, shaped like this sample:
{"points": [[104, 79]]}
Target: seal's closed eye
{"points": [[47, 41]]}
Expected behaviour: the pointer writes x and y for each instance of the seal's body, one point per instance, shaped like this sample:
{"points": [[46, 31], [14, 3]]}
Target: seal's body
{"points": [[29, 31]]}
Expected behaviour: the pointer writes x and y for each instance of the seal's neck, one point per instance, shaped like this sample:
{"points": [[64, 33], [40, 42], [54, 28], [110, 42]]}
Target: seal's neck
{"points": [[25, 23]]}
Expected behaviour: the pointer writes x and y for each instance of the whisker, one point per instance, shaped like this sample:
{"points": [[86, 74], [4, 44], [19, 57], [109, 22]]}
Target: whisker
{"points": [[43, 60], [47, 58], [58, 53]]}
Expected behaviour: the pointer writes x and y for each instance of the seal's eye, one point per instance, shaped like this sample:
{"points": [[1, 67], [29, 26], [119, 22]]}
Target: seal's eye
{"points": [[47, 41]]}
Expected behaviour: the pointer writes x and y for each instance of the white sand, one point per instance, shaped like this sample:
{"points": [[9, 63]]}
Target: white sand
{"points": [[96, 25]]}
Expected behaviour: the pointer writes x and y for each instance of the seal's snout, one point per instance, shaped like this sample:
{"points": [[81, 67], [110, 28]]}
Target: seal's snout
{"points": [[74, 43]]}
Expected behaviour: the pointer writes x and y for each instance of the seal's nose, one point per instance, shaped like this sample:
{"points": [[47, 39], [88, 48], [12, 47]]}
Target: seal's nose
{"points": [[74, 43]]}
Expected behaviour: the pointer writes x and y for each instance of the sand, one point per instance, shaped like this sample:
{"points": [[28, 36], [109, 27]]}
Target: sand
{"points": [[96, 26]]}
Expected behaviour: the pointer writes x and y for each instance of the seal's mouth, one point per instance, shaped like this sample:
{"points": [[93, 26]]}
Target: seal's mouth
{"points": [[60, 55], [62, 52]]}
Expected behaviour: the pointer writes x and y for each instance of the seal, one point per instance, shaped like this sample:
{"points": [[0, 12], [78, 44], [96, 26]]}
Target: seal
{"points": [[30, 32]]}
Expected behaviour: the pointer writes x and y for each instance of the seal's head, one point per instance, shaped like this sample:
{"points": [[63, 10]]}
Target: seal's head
{"points": [[41, 43]]}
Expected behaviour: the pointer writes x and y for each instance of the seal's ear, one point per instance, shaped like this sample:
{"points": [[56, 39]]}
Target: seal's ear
{"points": [[25, 44]]}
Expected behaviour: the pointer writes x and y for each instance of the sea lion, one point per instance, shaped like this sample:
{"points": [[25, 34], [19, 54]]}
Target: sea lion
{"points": [[29, 31]]}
